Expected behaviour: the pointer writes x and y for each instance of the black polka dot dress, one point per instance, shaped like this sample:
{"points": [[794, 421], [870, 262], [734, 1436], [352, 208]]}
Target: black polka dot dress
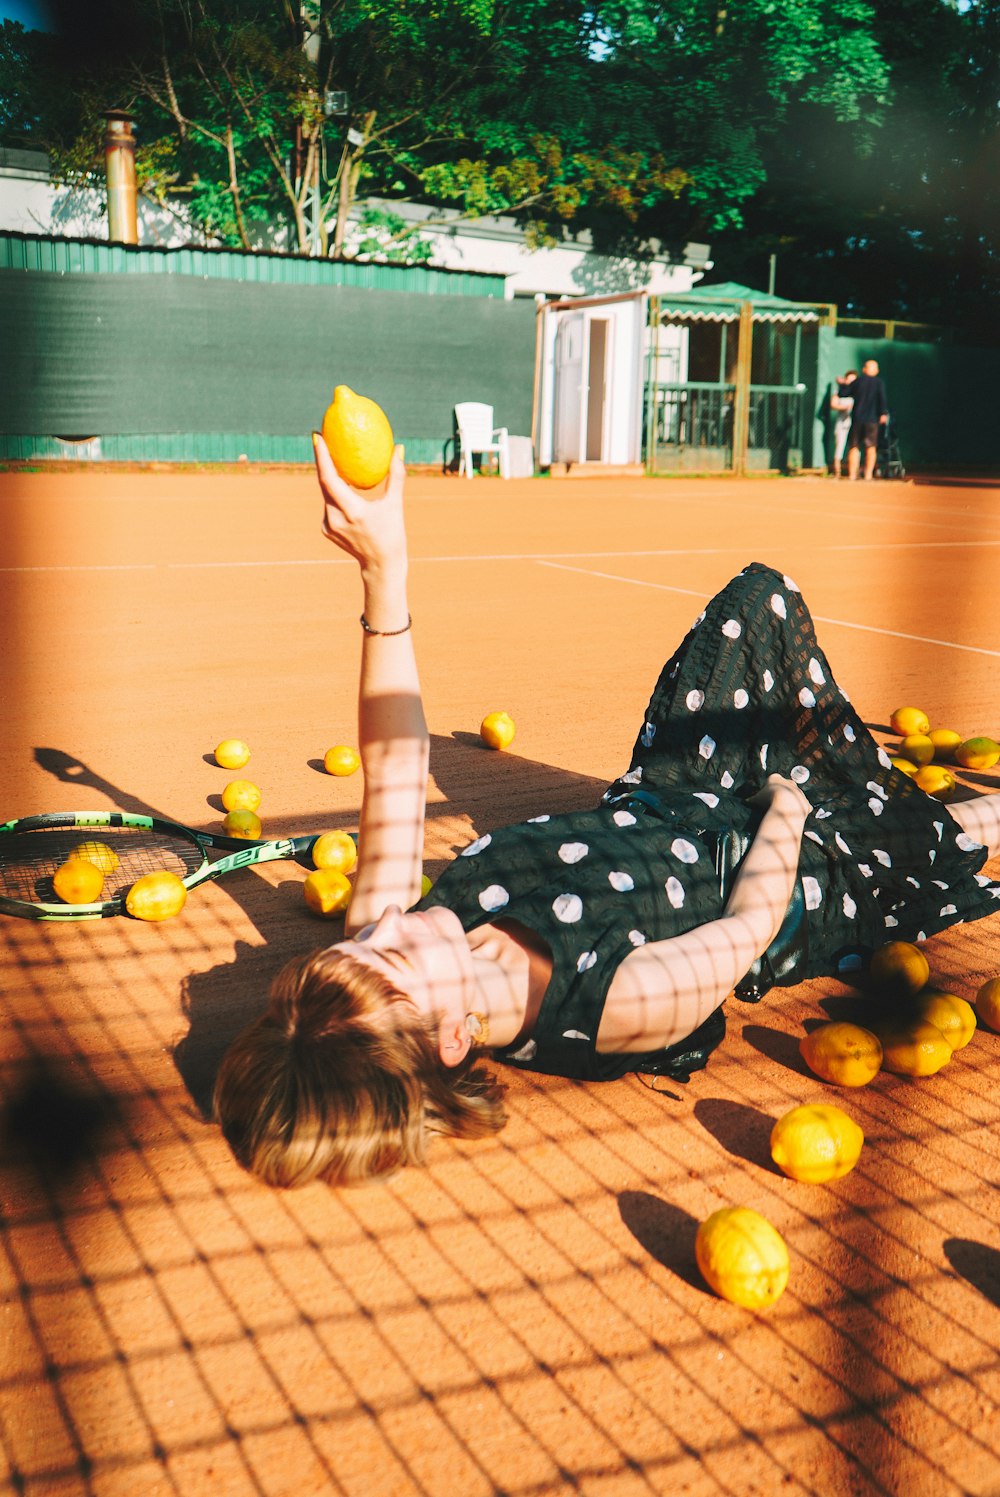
{"points": [[748, 693]]}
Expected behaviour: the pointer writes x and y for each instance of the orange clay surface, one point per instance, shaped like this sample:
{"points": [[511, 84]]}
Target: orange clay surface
{"points": [[524, 1316]]}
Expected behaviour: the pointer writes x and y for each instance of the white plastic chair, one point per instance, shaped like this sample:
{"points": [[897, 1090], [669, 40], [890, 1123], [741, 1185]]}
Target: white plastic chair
{"points": [[476, 433]]}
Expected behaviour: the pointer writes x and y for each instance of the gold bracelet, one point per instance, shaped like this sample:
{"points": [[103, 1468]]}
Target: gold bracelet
{"points": [[387, 632]]}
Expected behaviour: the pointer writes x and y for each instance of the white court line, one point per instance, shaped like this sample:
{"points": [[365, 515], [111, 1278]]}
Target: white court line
{"points": [[545, 557], [688, 592]]}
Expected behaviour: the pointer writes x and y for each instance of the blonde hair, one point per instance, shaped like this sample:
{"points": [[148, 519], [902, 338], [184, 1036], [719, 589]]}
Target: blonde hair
{"points": [[340, 1080]]}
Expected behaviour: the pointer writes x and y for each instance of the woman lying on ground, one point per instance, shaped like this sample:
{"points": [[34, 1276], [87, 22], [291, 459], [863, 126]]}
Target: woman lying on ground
{"points": [[759, 836]]}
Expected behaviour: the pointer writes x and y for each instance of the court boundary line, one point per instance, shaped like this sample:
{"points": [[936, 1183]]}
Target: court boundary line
{"points": [[543, 558], [687, 592]]}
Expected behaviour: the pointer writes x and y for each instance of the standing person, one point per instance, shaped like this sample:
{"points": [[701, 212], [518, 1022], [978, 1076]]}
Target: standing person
{"points": [[842, 404], [599, 942], [871, 410]]}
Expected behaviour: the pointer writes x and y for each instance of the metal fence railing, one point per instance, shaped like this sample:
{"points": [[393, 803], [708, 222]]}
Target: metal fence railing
{"points": [[690, 427]]}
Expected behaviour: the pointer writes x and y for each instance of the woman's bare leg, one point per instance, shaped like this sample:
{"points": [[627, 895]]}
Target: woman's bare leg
{"points": [[981, 819]]}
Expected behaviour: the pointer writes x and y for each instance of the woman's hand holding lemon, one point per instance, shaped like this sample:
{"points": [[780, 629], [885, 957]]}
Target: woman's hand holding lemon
{"points": [[367, 524]]}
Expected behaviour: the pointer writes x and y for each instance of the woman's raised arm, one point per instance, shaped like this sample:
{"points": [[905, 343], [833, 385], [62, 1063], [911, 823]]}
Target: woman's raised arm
{"points": [[392, 732]]}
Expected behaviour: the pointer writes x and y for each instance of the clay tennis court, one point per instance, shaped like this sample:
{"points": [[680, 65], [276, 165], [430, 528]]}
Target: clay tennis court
{"points": [[525, 1316]]}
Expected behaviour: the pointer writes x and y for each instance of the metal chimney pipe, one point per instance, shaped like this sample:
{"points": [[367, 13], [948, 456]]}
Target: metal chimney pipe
{"points": [[119, 162]]}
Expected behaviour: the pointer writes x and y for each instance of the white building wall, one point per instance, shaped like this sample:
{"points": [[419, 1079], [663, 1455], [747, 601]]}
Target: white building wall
{"points": [[30, 204]]}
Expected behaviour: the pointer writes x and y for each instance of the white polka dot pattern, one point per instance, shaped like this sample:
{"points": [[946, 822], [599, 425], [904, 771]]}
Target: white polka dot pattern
{"points": [[494, 898], [778, 606], [741, 699], [812, 891], [684, 851], [706, 747], [637, 937], [568, 908], [586, 960], [623, 818], [675, 892], [572, 852], [732, 628], [474, 848], [623, 882], [695, 700]]}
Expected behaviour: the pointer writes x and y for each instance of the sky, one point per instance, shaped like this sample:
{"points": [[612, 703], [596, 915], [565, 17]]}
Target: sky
{"points": [[30, 13]]}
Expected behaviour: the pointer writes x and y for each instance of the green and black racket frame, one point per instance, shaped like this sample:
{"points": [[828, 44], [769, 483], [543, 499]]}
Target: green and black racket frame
{"points": [[33, 847]]}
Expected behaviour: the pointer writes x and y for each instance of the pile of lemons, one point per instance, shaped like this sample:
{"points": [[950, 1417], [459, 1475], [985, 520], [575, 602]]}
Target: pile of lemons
{"points": [[916, 1029], [923, 752]]}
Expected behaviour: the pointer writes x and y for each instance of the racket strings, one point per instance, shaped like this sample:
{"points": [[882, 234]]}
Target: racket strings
{"points": [[29, 859]]}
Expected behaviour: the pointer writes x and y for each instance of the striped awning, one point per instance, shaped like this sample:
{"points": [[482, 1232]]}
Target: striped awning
{"points": [[722, 304]]}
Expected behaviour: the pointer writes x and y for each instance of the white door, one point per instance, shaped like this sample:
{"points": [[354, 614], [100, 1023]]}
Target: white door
{"points": [[571, 393]]}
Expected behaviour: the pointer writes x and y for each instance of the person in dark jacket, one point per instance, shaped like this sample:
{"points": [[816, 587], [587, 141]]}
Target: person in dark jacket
{"points": [[871, 410]]}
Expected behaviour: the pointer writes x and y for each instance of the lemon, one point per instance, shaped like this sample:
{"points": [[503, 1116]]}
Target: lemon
{"points": [[904, 766], [156, 896], [906, 720], [977, 753], [988, 1002], [936, 781], [945, 741], [232, 753], [898, 970], [241, 795], [243, 824], [359, 438], [742, 1257], [497, 730], [327, 892], [426, 885], [912, 1047], [815, 1143], [955, 1018], [78, 881], [842, 1053], [918, 748], [335, 850], [341, 760], [99, 853]]}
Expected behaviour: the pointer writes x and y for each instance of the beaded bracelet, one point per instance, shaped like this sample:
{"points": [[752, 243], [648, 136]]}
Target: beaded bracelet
{"points": [[388, 633]]}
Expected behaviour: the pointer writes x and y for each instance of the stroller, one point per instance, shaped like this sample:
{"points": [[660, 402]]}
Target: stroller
{"points": [[889, 461]]}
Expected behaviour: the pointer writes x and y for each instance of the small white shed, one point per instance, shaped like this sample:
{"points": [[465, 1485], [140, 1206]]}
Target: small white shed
{"points": [[589, 381]]}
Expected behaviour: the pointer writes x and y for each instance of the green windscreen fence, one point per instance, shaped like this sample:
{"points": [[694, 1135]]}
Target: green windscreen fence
{"points": [[183, 366], [942, 398]]}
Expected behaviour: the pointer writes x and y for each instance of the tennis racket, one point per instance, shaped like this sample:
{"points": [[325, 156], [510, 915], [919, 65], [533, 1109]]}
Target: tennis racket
{"points": [[32, 848]]}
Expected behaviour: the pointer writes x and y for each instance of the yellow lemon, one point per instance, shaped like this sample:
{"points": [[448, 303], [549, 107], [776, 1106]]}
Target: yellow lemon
{"points": [[232, 753], [243, 824], [335, 850], [341, 760], [898, 970], [912, 1047], [742, 1257], [936, 781], [426, 885], [955, 1018], [241, 795], [497, 730], [156, 896], [816, 1142], [918, 748], [99, 853], [78, 881], [359, 438], [842, 1053], [327, 892], [904, 766], [945, 741], [988, 1002], [977, 753], [906, 720]]}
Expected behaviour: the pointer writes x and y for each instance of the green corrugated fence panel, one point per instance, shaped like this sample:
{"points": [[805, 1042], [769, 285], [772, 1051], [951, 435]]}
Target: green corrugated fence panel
{"points": [[192, 447], [72, 256]]}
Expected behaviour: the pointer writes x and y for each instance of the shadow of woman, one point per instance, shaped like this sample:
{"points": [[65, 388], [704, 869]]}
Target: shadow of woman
{"points": [[495, 789], [664, 1231], [977, 1263]]}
